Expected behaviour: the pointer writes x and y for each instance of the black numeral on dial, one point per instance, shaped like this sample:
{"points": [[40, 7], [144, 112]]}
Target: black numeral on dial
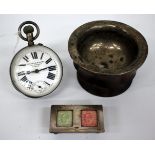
{"points": [[41, 56], [51, 76], [24, 79], [47, 83], [49, 60], [21, 73], [51, 68], [22, 65], [26, 58], [30, 85], [34, 55]]}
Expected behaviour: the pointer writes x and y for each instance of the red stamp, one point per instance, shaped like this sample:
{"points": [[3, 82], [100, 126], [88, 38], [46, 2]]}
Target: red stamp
{"points": [[89, 118]]}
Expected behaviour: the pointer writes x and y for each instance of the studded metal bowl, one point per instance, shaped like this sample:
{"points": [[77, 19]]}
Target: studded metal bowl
{"points": [[106, 55]]}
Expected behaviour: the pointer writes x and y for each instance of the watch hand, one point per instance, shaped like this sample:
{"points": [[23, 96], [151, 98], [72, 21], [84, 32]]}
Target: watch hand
{"points": [[44, 68], [37, 70], [50, 68]]}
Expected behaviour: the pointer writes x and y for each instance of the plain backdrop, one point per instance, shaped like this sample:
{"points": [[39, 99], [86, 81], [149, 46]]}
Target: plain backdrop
{"points": [[130, 115]]}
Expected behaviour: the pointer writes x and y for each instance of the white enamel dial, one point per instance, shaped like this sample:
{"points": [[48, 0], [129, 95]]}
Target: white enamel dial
{"points": [[36, 71]]}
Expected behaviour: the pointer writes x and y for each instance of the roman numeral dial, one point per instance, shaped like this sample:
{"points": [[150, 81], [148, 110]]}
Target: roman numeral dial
{"points": [[26, 58], [22, 65], [52, 68], [36, 71], [24, 79], [51, 76], [48, 60], [42, 54], [21, 73], [34, 55]]}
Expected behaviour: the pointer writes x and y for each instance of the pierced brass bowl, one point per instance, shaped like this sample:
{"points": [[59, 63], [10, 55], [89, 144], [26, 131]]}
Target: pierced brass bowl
{"points": [[106, 55]]}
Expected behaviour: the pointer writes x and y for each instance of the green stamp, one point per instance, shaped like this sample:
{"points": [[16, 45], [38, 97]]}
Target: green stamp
{"points": [[64, 118]]}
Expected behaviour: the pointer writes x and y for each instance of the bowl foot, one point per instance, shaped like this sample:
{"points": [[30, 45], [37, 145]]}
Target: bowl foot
{"points": [[102, 88]]}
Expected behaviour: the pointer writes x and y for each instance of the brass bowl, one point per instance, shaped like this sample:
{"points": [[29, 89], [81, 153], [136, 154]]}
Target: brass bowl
{"points": [[106, 55]]}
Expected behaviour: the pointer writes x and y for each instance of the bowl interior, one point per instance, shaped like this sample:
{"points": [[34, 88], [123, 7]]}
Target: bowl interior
{"points": [[108, 50]]}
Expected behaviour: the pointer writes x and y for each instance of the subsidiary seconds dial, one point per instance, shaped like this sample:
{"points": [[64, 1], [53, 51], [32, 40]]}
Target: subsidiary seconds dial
{"points": [[36, 71]]}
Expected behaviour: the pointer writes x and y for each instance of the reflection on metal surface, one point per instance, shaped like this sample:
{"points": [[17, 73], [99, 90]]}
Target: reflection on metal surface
{"points": [[106, 55]]}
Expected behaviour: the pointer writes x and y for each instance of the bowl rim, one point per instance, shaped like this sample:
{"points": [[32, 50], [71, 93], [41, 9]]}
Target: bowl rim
{"points": [[102, 25]]}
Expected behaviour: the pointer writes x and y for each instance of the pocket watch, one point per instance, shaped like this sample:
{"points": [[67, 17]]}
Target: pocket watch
{"points": [[36, 70]]}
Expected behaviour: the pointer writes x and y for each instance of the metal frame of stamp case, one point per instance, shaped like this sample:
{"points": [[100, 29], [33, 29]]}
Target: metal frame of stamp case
{"points": [[76, 128]]}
